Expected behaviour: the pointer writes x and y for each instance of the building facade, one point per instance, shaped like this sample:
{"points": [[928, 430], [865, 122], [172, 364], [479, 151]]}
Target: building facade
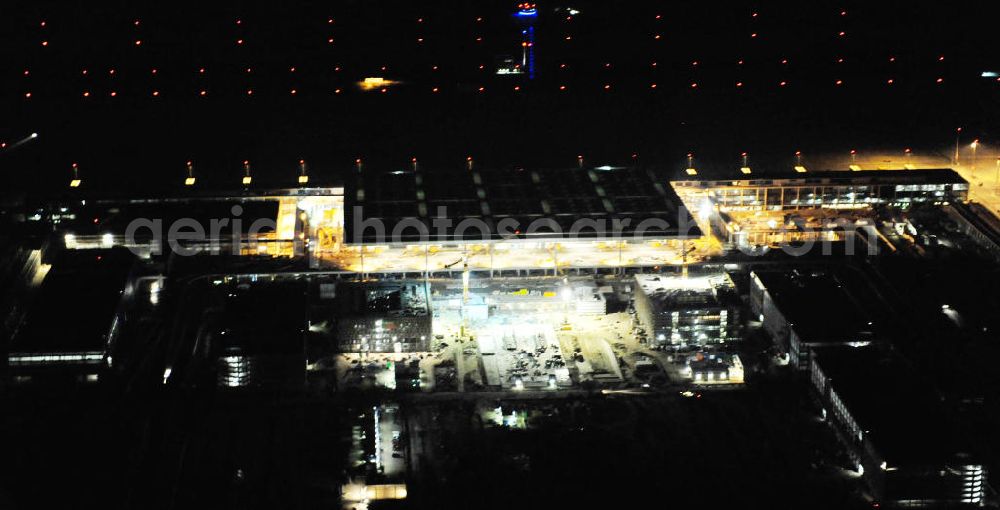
{"points": [[384, 317], [894, 430], [831, 190], [683, 310]]}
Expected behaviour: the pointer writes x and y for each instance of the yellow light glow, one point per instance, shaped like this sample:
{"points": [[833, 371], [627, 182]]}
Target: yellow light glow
{"points": [[75, 183], [745, 170], [691, 171], [247, 180], [189, 181], [800, 169], [303, 179], [375, 82], [855, 168]]}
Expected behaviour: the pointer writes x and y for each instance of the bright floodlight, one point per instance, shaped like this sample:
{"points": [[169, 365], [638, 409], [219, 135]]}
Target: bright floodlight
{"points": [[189, 181], [691, 171], [745, 170], [705, 209], [34, 135], [800, 169], [375, 82]]}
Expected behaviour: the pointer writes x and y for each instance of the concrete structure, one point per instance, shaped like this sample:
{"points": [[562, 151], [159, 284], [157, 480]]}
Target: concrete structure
{"points": [[895, 430], [714, 369], [388, 316], [811, 207], [276, 222], [687, 310], [802, 310], [407, 375]]}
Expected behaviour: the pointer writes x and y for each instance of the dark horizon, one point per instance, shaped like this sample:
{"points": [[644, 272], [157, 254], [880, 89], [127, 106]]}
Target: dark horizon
{"points": [[135, 141]]}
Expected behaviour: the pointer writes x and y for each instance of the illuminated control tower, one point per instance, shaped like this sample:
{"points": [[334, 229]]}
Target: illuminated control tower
{"points": [[527, 14]]}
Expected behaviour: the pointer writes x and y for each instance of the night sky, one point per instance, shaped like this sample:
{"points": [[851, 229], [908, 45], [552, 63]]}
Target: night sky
{"points": [[769, 78]]}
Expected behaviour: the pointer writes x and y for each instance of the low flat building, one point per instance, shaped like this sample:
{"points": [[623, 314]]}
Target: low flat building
{"points": [[390, 316], [895, 430], [75, 317], [801, 310], [714, 369], [687, 310]]}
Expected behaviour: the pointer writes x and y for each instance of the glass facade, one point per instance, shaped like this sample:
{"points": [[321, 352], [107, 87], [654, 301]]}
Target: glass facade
{"points": [[899, 188]]}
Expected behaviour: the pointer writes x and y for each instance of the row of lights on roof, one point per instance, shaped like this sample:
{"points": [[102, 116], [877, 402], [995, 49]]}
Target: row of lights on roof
{"points": [[247, 179], [799, 168], [190, 179], [303, 177]]}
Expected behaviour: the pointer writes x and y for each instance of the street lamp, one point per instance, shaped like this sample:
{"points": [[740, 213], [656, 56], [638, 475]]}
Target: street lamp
{"points": [[958, 134], [974, 145], [189, 180], [690, 168], [303, 177], [798, 163], [76, 182], [246, 173], [997, 185]]}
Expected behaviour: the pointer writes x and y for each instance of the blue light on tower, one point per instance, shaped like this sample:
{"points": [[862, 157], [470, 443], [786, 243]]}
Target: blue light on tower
{"points": [[528, 13], [531, 53]]}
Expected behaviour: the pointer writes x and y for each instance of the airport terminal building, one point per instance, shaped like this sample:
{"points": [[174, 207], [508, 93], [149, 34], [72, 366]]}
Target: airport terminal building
{"points": [[830, 190]]}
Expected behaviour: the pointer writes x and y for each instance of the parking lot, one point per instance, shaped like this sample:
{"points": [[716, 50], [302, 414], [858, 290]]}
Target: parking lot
{"points": [[522, 356]]}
